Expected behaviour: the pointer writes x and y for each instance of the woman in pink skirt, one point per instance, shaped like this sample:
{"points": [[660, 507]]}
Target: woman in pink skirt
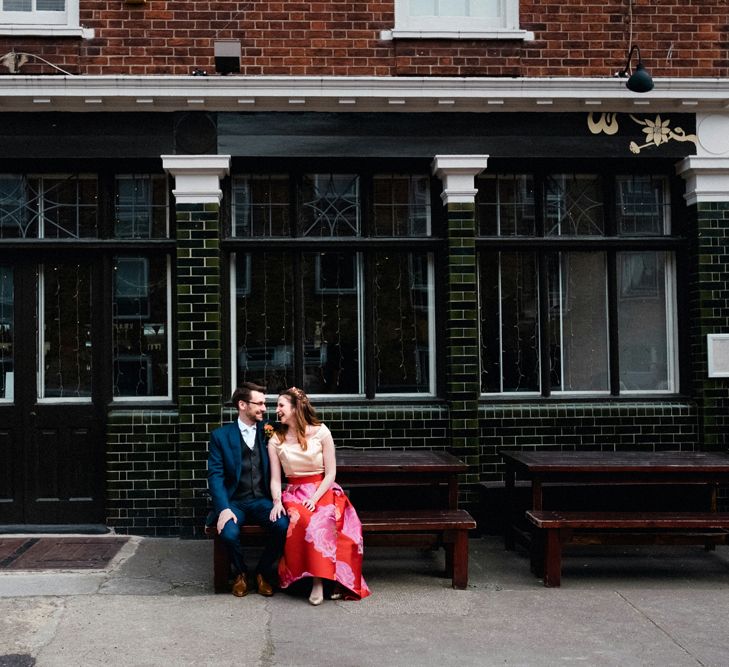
{"points": [[324, 540]]}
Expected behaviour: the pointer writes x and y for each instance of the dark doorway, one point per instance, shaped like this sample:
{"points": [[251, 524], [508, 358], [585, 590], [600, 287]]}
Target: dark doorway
{"points": [[51, 421]]}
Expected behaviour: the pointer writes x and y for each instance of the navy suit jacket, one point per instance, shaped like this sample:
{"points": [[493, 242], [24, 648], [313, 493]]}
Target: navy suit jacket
{"points": [[224, 463]]}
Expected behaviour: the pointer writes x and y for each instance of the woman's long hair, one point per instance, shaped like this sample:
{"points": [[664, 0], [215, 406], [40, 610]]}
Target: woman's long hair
{"points": [[303, 412]]}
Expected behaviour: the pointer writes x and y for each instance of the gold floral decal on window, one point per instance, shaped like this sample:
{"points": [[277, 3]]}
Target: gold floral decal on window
{"points": [[657, 131]]}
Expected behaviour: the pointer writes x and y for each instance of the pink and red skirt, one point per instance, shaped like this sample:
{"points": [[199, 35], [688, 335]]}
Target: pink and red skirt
{"points": [[325, 543]]}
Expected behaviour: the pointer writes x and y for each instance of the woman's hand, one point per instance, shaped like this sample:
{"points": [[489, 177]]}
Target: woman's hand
{"points": [[277, 512], [309, 504]]}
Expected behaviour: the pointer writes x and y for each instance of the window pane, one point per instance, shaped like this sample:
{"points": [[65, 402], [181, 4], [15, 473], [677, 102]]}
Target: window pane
{"points": [[51, 5], [18, 5], [65, 345], [401, 315], [505, 205], [331, 323], [642, 205], [141, 207], [140, 326], [642, 321], [6, 333], [578, 321], [422, 8], [264, 316], [401, 205], [261, 206], [574, 206], [69, 206], [452, 7], [17, 219], [329, 205], [485, 8], [509, 322]]}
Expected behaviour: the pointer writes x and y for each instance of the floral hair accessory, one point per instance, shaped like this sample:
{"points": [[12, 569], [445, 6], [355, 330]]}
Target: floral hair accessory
{"points": [[298, 393], [268, 431]]}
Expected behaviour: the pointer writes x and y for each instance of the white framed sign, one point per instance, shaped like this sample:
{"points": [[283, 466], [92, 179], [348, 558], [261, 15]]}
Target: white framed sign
{"points": [[717, 347]]}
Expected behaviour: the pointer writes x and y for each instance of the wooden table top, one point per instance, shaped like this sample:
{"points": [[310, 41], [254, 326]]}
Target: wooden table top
{"points": [[590, 461], [387, 460]]}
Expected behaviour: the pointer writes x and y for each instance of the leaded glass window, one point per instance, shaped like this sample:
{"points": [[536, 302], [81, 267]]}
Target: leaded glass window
{"points": [[301, 312], [550, 322], [58, 207]]}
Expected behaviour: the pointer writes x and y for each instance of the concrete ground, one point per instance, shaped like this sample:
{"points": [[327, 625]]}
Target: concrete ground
{"points": [[154, 605]]}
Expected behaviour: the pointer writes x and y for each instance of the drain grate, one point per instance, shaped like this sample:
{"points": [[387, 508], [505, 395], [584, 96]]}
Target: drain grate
{"points": [[58, 553]]}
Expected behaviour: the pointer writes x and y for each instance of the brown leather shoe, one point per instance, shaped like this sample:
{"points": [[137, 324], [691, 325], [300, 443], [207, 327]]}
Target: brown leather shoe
{"points": [[264, 588], [240, 586]]}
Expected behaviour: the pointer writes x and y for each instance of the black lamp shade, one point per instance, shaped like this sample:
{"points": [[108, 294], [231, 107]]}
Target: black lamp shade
{"points": [[640, 81]]}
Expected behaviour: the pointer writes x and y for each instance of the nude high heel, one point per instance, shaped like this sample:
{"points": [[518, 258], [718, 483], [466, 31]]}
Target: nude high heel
{"points": [[317, 592]]}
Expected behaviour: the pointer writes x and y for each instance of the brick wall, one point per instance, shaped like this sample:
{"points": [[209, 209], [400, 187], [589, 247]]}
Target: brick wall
{"points": [[199, 349], [342, 37], [610, 426], [462, 358], [709, 313], [142, 493]]}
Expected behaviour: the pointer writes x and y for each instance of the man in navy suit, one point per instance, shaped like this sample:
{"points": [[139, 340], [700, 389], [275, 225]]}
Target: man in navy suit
{"points": [[239, 479]]}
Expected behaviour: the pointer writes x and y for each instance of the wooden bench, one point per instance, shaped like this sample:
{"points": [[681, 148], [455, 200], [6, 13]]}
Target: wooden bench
{"points": [[557, 529], [447, 528]]}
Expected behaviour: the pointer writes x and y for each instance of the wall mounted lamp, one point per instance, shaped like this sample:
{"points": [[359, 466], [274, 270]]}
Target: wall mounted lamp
{"points": [[227, 56], [640, 81]]}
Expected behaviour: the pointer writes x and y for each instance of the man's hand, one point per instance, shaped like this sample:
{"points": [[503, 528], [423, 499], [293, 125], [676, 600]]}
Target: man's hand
{"points": [[277, 511], [223, 518]]}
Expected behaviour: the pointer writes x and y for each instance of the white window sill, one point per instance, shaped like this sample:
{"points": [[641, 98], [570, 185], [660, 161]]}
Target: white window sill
{"points": [[396, 33], [47, 31]]}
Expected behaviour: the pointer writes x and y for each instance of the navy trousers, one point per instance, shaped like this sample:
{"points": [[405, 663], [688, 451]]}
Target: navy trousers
{"points": [[257, 511]]}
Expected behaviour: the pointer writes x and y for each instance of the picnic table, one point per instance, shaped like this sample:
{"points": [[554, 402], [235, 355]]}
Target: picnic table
{"points": [[415, 467], [709, 469]]}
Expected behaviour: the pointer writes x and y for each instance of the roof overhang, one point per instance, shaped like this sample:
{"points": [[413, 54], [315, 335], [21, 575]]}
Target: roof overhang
{"points": [[363, 94]]}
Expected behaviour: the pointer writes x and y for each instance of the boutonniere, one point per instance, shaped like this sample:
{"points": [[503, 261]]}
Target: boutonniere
{"points": [[268, 431]]}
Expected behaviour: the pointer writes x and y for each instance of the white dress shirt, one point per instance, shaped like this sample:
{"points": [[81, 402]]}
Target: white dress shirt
{"points": [[248, 433]]}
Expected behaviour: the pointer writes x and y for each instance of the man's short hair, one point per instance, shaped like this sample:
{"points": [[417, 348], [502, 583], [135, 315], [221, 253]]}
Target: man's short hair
{"points": [[243, 393]]}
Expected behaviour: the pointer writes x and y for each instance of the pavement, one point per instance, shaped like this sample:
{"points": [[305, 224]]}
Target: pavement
{"points": [[154, 605]]}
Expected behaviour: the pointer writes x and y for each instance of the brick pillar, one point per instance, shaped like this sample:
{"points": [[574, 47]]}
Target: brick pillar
{"points": [[707, 188], [198, 322], [462, 375]]}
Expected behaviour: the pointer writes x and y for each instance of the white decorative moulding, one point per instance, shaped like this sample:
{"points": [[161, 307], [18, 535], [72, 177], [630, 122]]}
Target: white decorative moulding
{"points": [[717, 347], [197, 177], [458, 173], [707, 179]]}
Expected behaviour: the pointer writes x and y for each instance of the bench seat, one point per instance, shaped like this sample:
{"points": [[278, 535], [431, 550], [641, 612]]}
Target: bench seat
{"points": [[448, 528], [558, 528]]}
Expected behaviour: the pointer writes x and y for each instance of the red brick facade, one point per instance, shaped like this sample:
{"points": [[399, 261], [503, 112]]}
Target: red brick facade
{"points": [[342, 37]]}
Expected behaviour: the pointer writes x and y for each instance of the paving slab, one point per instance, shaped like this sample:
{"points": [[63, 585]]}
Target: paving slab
{"points": [[155, 605]]}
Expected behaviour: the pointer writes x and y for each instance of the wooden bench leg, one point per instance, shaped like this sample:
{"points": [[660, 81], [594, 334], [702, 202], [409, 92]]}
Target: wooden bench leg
{"points": [[460, 559], [221, 566], [536, 553], [552, 558]]}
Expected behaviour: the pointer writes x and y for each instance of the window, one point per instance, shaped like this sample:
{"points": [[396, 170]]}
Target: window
{"points": [[329, 292], [467, 19], [550, 322], [48, 207], [141, 292], [41, 17]]}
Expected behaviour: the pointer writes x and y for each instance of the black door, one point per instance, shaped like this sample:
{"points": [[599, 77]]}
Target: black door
{"points": [[51, 422]]}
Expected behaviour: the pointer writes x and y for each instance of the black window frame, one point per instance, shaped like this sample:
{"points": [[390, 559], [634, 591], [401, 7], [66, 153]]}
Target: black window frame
{"points": [[675, 241], [367, 243]]}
